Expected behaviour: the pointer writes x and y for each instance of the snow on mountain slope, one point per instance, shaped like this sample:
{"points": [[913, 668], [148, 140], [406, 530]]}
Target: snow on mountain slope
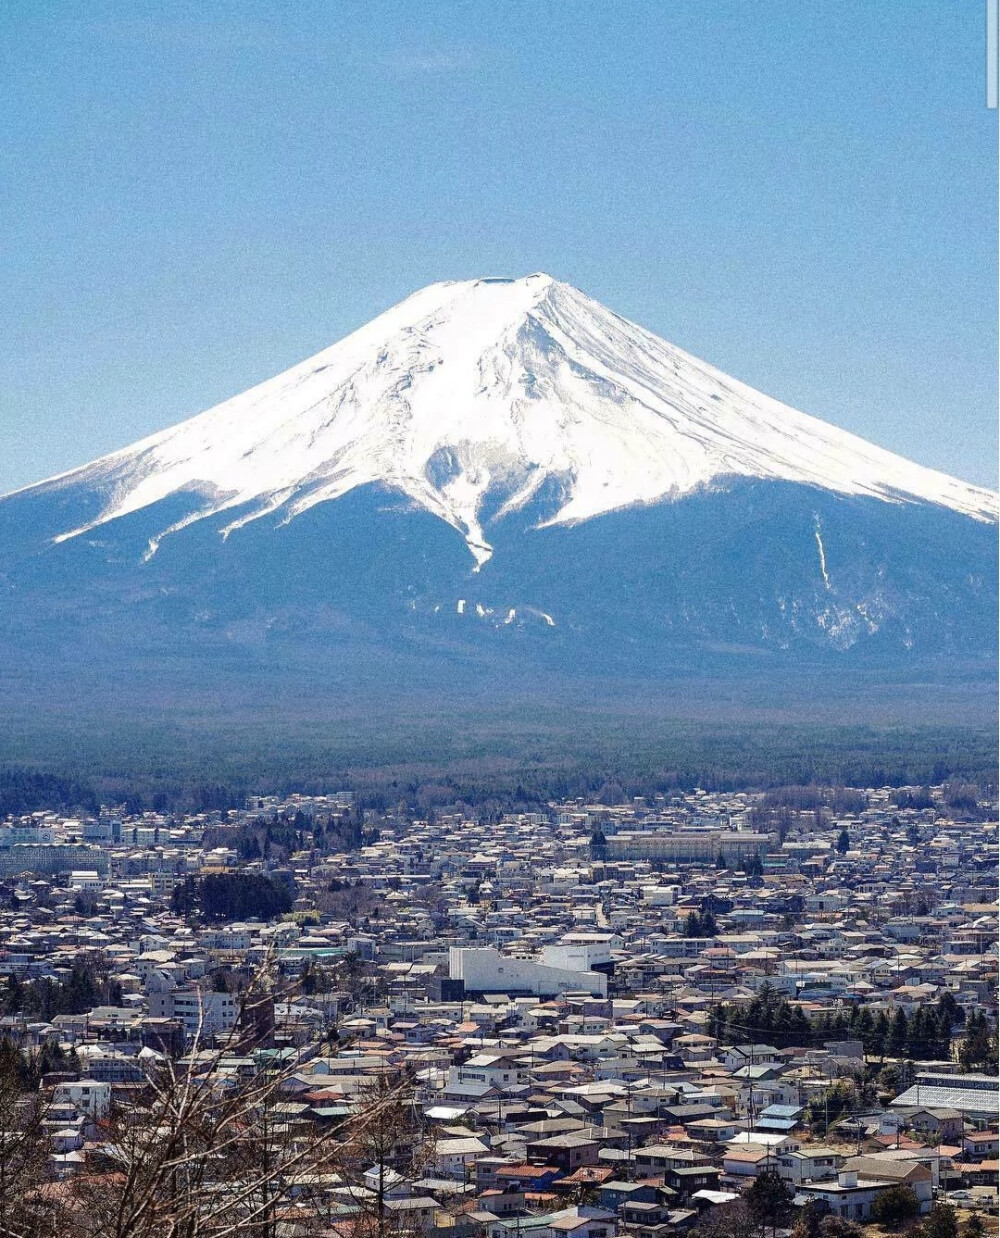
{"points": [[488, 390]]}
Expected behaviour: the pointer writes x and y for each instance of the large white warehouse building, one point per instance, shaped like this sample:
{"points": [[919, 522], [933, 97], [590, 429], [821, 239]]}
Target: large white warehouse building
{"points": [[485, 970]]}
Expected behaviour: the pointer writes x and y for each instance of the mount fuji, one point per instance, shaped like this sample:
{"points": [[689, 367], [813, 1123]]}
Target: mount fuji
{"points": [[501, 471]]}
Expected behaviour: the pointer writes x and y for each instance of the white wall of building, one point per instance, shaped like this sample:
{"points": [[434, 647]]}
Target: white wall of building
{"points": [[487, 970]]}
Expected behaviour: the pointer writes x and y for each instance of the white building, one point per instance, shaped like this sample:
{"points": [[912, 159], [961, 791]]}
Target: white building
{"points": [[858, 1185], [581, 951], [490, 1069], [12, 835], [485, 970], [199, 1011], [85, 879], [89, 1096], [452, 1156], [660, 896]]}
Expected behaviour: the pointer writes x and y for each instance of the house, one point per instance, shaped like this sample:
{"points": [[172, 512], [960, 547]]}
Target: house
{"points": [[737, 1056], [615, 1193], [853, 1192], [646, 1220], [712, 1130], [500, 1203], [943, 1125], [691, 1111], [981, 1145], [845, 1197], [686, 1179], [392, 1184], [982, 1173], [492, 1069], [451, 1156], [577, 1221], [812, 1163], [583, 1223], [937, 1159], [567, 1152], [900, 1170], [526, 1177], [589, 1178], [758, 1074], [765, 1139], [68, 1139], [486, 1172], [779, 1118], [747, 1161], [656, 1159], [762, 1088], [417, 1213]]}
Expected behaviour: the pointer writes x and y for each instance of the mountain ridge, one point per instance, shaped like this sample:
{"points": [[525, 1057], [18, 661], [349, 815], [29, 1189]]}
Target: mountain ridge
{"points": [[483, 393], [499, 479]]}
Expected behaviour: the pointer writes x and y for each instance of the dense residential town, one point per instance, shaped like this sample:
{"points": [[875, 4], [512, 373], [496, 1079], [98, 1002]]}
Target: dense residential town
{"points": [[707, 1013]]}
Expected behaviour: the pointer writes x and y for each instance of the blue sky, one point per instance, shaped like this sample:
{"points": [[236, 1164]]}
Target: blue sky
{"points": [[195, 195]]}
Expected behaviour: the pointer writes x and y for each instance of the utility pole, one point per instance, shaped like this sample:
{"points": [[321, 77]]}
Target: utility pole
{"points": [[628, 1124], [826, 1102]]}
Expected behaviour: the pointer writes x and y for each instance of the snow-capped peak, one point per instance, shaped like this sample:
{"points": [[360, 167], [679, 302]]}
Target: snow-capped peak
{"points": [[496, 387]]}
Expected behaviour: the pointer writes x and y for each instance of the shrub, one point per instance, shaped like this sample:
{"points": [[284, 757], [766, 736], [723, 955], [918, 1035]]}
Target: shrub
{"points": [[898, 1203]]}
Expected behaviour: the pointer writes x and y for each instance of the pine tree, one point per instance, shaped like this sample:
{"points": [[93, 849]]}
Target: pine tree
{"points": [[916, 1034], [941, 1222], [880, 1035], [943, 1046], [978, 1049], [898, 1031]]}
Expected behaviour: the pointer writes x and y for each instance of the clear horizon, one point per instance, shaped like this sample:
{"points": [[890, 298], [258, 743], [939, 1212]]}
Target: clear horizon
{"points": [[197, 198]]}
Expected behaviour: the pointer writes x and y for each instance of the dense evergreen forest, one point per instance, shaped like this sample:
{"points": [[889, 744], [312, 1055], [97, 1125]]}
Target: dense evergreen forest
{"points": [[497, 774], [226, 897], [31, 790]]}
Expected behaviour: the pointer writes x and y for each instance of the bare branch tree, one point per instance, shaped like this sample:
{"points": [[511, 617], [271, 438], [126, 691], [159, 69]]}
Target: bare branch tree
{"points": [[205, 1147], [27, 1208], [383, 1138], [200, 1152]]}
